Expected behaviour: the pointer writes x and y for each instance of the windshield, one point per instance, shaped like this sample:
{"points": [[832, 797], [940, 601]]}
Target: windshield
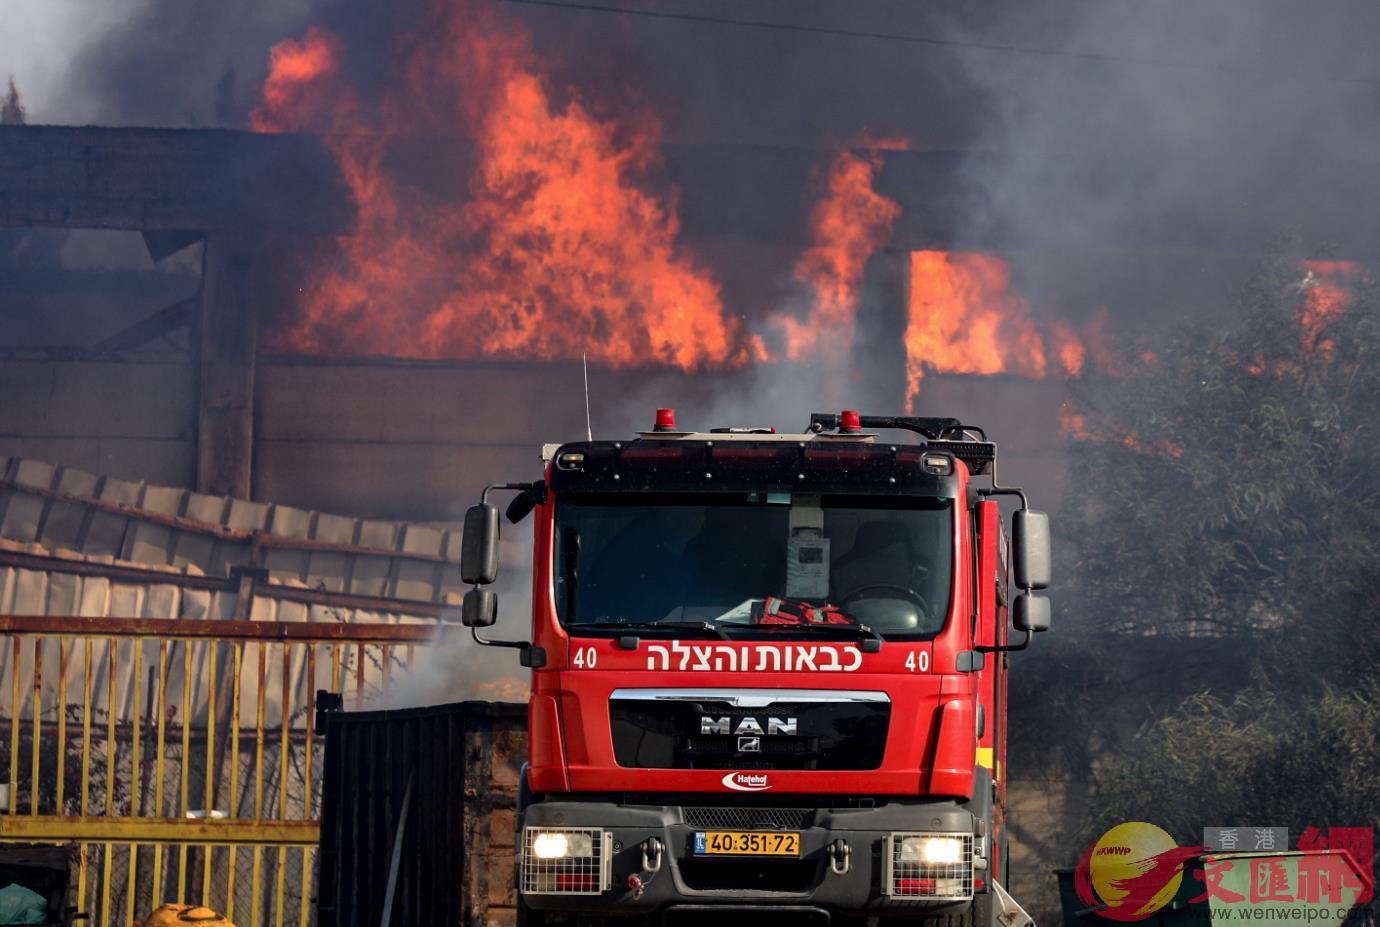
{"points": [[743, 562]]}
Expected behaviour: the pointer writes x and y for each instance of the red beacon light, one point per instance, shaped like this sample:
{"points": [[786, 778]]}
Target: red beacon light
{"points": [[849, 422], [665, 420]]}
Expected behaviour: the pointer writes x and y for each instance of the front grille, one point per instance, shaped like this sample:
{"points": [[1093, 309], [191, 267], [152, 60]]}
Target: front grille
{"points": [[749, 874], [749, 818], [584, 874], [909, 875], [785, 745], [704, 732]]}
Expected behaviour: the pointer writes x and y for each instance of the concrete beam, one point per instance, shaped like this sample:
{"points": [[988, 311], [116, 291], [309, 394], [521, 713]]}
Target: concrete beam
{"points": [[168, 179], [227, 348], [193, 179]]}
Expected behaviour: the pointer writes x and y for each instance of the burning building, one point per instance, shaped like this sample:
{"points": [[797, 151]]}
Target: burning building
{"points": [[375, 289]]}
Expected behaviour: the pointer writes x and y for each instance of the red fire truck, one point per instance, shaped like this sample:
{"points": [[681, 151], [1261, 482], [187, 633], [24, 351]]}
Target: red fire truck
{"points": [[768, 671]]}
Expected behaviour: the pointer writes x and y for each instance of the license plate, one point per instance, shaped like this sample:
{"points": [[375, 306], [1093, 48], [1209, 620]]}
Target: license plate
{"points": [[746, 843]]}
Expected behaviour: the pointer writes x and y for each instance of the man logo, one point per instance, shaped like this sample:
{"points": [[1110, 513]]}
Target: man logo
{"points": [[776, 727], [749, 745]]}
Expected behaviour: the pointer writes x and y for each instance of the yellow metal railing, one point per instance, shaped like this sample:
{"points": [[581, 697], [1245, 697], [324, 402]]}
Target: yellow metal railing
{"points": [[179, 759]]}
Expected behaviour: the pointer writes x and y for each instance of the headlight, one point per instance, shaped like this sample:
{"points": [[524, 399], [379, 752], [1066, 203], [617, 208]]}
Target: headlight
{"points": [[930, 867], [935, 851], [564, 861], [550, 846], [562, 845]]}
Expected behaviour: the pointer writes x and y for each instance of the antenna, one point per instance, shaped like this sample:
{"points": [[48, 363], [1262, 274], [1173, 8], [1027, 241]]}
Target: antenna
{"points": [[589, 428]]}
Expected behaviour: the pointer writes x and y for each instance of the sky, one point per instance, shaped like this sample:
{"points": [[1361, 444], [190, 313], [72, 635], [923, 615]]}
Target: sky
{"points": [[39, 42]]}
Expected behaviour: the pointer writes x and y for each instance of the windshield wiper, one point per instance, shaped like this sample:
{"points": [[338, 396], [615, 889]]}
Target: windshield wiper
{"points": [[705, 627], [873, 638]]}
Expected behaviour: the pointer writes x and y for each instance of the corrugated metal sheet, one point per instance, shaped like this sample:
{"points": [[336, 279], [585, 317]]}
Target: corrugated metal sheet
{"points": [[73, 514], [77, 544], [438, 788], [74, 543]]}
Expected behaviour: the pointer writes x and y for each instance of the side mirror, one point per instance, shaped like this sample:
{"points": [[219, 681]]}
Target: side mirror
{"points": [[523, 503], [1031, 613], [480, 608], [1030, 547], [479, 545]]}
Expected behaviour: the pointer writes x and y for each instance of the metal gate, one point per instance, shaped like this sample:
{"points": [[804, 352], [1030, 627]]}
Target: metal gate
{"points": [[178, 760]]}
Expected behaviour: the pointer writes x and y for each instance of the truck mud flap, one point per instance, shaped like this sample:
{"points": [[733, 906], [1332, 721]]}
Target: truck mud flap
{"points": [[1006, 912]]}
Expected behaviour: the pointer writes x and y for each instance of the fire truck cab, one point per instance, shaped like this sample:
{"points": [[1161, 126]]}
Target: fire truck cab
{"points": [[768, 671]]}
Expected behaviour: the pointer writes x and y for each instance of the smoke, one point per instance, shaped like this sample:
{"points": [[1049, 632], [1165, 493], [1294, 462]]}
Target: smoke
{"points": [[142, 62], [11, 107], [1204, 130], [454, 667]]}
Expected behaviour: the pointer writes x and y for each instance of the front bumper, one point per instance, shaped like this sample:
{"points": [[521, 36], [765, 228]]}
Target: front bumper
{"points": [[821, 878]]}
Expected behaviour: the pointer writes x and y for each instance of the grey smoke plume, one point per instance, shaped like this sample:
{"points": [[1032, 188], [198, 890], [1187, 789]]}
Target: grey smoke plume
{"points": [[1192, 136], [142, 62], [455, 667]]}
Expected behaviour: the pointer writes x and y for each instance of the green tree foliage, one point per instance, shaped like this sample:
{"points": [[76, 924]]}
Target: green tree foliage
{"points": [[1263, 759], [1218, 639], [1230, 487]]}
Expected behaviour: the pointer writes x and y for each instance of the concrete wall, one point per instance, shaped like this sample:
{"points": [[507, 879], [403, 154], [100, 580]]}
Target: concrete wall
{"points": [[418, 441], [129, 420]]}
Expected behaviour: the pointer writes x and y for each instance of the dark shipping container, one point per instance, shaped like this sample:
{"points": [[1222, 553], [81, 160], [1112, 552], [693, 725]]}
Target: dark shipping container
{"points": [[417, 815]]}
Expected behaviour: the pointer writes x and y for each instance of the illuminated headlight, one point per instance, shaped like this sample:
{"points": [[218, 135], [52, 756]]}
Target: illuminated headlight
{"points": [[558, 845], [564, 860], [550, 846], [932, 850], [929, 867]]}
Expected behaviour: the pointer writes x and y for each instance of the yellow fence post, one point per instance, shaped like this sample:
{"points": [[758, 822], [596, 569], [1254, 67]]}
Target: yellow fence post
{"points": [[133, 825]]}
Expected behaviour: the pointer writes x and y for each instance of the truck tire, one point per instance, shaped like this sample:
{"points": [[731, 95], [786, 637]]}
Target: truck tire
{"points": [[526, 917], [977, 914]]}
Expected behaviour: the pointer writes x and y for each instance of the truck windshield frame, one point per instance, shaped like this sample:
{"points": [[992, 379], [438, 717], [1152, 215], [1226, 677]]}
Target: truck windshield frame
{"points": [[753, 565]]}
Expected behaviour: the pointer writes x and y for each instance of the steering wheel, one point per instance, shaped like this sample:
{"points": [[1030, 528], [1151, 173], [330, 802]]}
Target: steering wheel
{"points": [[905, 591]]}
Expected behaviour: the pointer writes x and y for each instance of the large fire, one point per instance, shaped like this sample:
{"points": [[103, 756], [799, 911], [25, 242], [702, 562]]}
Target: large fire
{"points": [[965, 318], [558, 248], [848, 225]]}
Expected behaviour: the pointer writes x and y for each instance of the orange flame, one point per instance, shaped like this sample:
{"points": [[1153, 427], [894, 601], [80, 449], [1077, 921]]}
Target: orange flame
{"points": [[557, 250], [1074, 425], [1328, 288], [849, 223], [964, 319], [297, 76]]}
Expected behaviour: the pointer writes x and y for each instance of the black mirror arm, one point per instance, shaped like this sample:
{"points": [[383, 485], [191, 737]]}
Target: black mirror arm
{"points": [[515, 487], [1005, 648], [529, 654], [1005, 491]]}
